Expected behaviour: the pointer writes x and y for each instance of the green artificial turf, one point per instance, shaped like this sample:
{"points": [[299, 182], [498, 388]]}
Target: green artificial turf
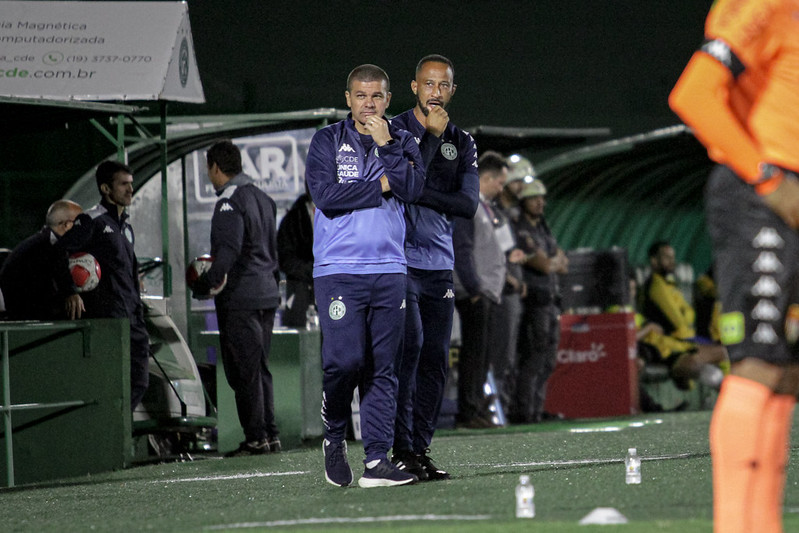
{"points": [[575, 466]]}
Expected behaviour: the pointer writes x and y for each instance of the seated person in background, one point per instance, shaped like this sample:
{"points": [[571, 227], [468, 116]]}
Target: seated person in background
{"points": [[663, 303], [686, 360], [707, 306], [35, 279], [295, 256]]}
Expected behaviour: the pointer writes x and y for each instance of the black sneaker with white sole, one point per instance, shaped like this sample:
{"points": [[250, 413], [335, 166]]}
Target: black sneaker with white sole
{"points": [[274, 444], [433, 472], [257, 447], [384, 473], [337, 469], [407, 461]]}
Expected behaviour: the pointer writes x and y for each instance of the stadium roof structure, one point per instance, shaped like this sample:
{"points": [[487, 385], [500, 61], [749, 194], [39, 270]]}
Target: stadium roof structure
{"points": [[630, 192]]}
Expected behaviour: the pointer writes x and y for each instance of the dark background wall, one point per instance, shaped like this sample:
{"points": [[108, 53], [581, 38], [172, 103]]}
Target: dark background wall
{"points": [[541, 63]]}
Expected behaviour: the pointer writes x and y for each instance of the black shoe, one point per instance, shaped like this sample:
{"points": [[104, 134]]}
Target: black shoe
{"points": [[407, 461], [257, 447], [385, 474], [550, 417], [432, 472], [274, 445]]}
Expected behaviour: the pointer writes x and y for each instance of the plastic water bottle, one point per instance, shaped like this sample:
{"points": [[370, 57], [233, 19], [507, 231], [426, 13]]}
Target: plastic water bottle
{"points": [[525, 507], [633, 466], [311, 318]]}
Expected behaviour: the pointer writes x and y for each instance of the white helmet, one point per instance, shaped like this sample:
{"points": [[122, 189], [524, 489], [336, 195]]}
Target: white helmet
{"points": [[520, 168], [534, 188]]}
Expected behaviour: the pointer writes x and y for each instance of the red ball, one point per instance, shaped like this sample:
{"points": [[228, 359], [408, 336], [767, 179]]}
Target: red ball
{"points": [[85, 271], [196, 269]]}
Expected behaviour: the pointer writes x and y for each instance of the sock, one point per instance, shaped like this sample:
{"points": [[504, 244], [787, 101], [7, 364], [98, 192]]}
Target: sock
{"points": [[735, 440], [769, 479], [725, 367]]}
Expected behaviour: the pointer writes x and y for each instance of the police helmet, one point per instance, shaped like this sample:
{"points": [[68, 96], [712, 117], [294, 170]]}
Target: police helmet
{"points": [[520, 169], [534, 188]]}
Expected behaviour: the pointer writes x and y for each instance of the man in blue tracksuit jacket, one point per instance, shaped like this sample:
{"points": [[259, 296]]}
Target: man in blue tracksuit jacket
{"points": [[360, 173], [244, 277], [112, 244], [451, 189]]}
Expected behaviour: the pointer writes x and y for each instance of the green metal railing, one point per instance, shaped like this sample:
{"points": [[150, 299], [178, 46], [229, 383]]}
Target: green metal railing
{"points": [[6, 408]]}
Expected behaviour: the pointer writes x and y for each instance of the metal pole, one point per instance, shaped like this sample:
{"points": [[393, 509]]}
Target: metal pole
{"points": [[7, 410], [186, 259], [166, 268], [121, 153]]}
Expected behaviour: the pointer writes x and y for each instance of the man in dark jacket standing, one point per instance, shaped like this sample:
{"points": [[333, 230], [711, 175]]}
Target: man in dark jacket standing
{"points": [[243, 245], [117, 295], [295, 255]]}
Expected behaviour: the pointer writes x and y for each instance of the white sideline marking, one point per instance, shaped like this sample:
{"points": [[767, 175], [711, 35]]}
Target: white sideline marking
{"points": [[235, 476], [590, 461], [349, 520]]}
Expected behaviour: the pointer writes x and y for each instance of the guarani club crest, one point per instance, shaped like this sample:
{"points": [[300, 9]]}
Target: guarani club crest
{"points": [[337, 309]]}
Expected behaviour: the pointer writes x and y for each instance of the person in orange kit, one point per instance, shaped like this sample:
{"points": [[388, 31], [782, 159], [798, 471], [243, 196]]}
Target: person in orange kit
{"points": [[740, 95]]}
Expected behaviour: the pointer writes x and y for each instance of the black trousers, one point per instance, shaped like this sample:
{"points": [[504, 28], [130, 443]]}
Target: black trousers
{"points": [[139, 357], [473, 358], [246, 337]]}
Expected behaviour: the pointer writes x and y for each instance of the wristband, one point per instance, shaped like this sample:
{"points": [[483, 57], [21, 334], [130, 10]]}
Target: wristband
{"points": [[770, 178]]}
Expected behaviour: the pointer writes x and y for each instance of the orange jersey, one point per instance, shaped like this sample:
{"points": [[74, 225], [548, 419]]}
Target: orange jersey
{"points": [[740, 91], [764, 34]]}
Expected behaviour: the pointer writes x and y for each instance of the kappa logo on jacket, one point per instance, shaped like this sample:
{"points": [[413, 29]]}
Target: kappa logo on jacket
{"points": [[108, 229], [226, 207], [346, 148], [768, 238]]}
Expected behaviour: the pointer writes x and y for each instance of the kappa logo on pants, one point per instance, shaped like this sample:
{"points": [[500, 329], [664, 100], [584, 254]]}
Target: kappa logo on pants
{"points": [[402, 305], [449, 294]]}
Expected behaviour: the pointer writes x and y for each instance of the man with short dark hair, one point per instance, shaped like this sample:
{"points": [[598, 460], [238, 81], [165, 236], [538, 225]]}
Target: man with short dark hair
{"points": [[35, 278], [663, 303], [451, 189], [480, 267], [361, 173], [244, 251], [112, 244]]}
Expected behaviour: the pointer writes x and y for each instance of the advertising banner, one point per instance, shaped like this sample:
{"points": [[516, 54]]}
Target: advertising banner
{"points": [[98, 51], [596, 374]]}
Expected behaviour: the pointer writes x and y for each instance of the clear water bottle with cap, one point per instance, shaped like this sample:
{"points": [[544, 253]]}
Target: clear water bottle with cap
{"points": [[311, 318], [525, 507], [633, 466]]}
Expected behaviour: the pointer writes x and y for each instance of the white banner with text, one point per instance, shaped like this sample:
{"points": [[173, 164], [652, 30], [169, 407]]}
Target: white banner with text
{"points": [[98, 51]]}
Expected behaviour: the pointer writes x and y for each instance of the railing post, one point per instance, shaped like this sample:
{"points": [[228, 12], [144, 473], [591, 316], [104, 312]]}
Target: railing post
{"points": [[7, 409]]}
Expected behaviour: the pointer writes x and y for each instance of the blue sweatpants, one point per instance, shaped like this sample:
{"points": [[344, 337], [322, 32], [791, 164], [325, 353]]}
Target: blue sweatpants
{"points": [[362, 317], [424, 357]]}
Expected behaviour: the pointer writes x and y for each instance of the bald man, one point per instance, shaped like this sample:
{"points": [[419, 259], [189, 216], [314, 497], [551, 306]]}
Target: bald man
{"points": [[35, 278]]}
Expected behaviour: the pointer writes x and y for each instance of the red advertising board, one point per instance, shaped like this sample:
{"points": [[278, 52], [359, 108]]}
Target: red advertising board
{"points": [[596, 373]]}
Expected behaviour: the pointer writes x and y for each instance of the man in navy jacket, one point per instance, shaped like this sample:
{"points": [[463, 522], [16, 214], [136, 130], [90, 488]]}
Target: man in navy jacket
{"points": [[451, 189], [244, 277]]}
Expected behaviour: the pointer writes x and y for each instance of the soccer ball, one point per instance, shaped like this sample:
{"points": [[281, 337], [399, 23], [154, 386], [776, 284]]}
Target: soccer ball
{"points": [[85, 271], [197, 268]]}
